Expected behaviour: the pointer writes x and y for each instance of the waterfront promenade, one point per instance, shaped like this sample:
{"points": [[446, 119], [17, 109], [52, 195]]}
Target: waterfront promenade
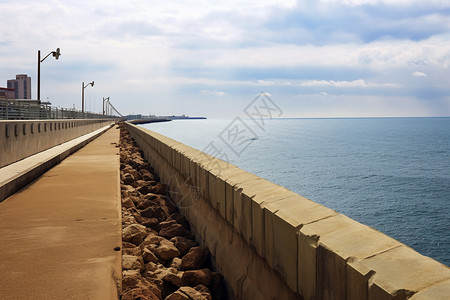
{"points": [[59, 235]]}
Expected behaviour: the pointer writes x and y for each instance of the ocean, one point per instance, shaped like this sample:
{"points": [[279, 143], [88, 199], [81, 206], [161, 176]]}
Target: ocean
{"points": [[392, 174]]}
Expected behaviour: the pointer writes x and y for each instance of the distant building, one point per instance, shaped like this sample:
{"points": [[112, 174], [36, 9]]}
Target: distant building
{"points": [[6, 93], [21, 86]]}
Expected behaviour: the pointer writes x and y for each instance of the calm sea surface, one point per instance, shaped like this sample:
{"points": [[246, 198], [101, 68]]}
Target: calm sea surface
{"points": [[392, 174]]}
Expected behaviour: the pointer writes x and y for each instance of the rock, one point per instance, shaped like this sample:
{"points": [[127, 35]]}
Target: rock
{"points": [[180, 219], [140, 182], [146, 175], [204, 291], [131, 280], [174, 279], [168, 205], [128, 179], [136, 251], [131, 262], [143, 203], [176, 262], [152, 239], [183, 244], [187, 293], [154, 188], [127, 245], [194, 259], [150, 267], [128, 220], [130, 273], [148, 256], [166, 250], [140, 293], [134, 233], [178, 295], [127, 202], [196, 277], [170, 229], [155, 212], [152, 223]]}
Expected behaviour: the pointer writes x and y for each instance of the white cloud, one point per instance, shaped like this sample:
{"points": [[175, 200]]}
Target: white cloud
{"points": [[419, 74], [360, 83], [377, 55], [213, 93], [438, 3]]}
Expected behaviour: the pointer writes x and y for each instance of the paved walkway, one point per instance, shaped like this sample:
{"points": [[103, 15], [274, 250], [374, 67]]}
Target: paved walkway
{"points": [[57, 235]]}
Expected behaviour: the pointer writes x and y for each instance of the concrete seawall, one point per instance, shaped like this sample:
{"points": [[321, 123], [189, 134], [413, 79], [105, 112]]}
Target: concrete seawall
{"points": [[271, 243], [20, 139]]}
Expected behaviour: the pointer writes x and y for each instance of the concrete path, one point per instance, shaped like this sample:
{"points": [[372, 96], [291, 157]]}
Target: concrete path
{"points": [[57, 235]]}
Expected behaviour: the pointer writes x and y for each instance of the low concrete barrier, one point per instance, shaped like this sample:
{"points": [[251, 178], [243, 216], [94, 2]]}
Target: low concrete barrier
{"points": [[20, 139], [271, 243]]}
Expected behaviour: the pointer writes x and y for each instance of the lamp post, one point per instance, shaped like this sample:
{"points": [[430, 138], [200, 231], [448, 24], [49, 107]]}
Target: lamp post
{"points": [[104, 99], [56, 55], [82, 93]]}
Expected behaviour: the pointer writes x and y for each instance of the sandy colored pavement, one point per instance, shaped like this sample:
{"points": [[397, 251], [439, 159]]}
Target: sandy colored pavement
{"points": [[57, 235]]}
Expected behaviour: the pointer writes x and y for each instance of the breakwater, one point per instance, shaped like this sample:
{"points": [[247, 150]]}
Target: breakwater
{"points": [[160, 258], [261, 233]]}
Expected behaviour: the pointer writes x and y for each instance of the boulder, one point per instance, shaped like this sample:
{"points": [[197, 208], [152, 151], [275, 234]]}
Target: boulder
{"points": [[174, 279], [170, 229], [154, 188], [178, 295], [148, 256], [187, 293], [134, 233], [204, 291], [131, 262], [152, 223], [166, 250], [196, 277], [175, 263], [155, 211], [127, 245], [128, 179], [136, 251], [194, 259], [183, 244], [127, 202], [180, 219], [152, 239], [141, 293], [128, 219], [146, 175]]}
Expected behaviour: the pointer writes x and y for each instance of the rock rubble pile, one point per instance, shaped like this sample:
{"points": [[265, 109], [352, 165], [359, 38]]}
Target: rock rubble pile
{"points": [[160, 259]]}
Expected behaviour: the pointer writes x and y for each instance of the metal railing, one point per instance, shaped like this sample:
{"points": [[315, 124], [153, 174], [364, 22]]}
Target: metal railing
{"points": [[33, 110]]}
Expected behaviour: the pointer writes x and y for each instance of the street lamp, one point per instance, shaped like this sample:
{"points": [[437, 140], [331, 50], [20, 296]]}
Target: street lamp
{"points": [[56, 55], [104, 99], [82, 93]]}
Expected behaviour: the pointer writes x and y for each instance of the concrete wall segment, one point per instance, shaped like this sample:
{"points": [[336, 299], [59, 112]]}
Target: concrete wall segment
{"points": [[439, 290], [20, 139]]}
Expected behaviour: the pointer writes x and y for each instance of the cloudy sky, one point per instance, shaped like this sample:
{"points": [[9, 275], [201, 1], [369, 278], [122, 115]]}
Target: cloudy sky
{"points": [[322, 58]]}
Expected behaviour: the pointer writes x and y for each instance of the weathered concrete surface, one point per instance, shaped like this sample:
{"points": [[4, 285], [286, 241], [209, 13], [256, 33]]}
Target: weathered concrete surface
{"points": [[57, 236]]}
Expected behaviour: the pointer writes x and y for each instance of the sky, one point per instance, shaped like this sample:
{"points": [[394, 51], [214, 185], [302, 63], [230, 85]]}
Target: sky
{"points": [[322, 58]]}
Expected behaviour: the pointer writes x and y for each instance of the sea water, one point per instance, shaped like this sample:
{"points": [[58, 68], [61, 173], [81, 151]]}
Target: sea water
{"points": [[392, 174]]}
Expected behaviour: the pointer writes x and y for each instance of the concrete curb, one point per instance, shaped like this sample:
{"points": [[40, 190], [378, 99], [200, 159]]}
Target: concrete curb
{"points": [[19, 174]]}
